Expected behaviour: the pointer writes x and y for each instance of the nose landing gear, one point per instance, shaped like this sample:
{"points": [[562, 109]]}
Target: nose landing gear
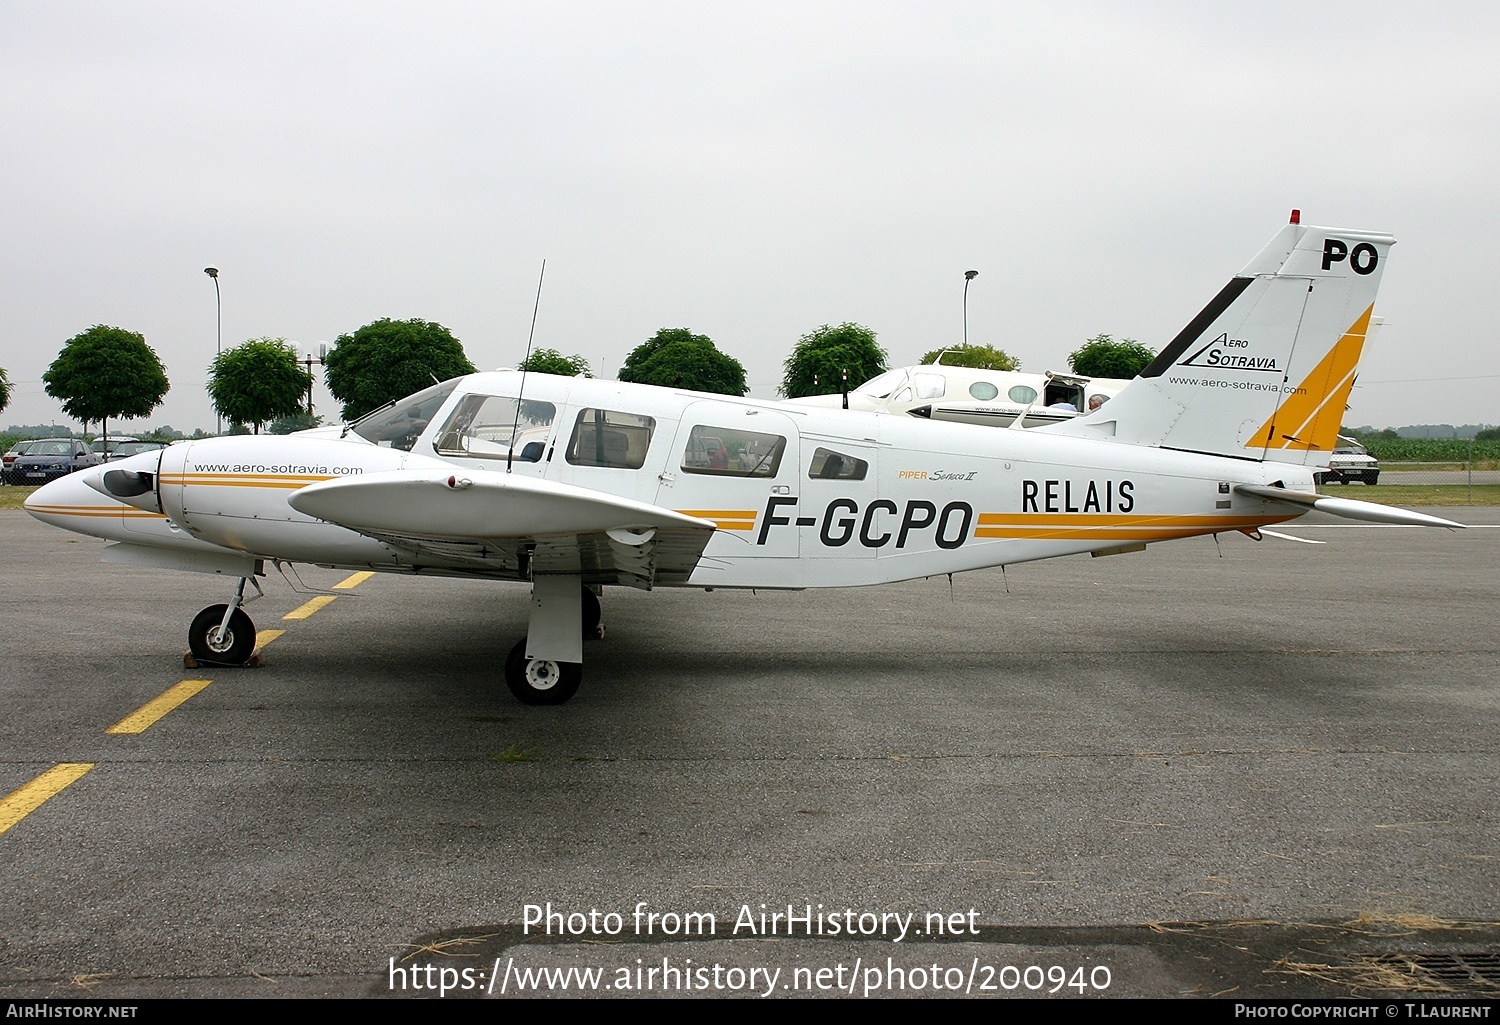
{"points": [[223, 634]]}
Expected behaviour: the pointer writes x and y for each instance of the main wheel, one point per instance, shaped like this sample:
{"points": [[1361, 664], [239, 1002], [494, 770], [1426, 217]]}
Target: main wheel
{"points": [[592, 614], [229, 647], [540, 681]]}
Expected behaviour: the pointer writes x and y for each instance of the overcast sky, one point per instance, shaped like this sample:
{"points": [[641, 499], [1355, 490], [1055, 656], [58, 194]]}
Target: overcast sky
{"points": [[747, 172]]}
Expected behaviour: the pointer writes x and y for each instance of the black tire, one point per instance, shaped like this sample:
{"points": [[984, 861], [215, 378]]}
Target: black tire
{"points": [[1320, 478], [233, 649], [539, 681], [1371, 478], [592, 615]]}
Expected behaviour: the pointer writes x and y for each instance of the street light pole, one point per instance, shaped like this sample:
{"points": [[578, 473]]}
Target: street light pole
{"points": [[213, 272], [969, 275], [319, 359]]}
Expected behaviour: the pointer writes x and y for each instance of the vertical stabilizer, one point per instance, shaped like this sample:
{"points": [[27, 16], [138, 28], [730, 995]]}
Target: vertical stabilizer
{"points": [[1264, 370]]}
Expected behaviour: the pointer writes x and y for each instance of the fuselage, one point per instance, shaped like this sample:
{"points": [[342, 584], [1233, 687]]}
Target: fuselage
{"points": [[800, 496]]}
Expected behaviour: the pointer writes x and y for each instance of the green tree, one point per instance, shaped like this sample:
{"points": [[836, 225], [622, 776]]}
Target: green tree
{"points": [[4, 388], [1102, 356], [980, 357], [674, 357], [106, 372], [816, 366], [293, 422], [257, 381], [390, 359], [550, 361]]}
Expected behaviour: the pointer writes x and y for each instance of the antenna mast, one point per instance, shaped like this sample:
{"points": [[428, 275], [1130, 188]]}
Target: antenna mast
{"points": [[515, 428]]}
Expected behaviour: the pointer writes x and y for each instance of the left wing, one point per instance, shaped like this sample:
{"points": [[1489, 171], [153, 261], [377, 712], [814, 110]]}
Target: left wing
{"points": [[510, 525]]}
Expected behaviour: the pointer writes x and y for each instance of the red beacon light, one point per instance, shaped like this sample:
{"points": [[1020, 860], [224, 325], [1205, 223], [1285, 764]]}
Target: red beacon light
{"points": [[1296, 216]]}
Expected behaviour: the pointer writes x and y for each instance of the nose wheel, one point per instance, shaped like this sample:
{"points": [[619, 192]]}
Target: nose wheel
{"points": [[540, 681], [212, 639]]}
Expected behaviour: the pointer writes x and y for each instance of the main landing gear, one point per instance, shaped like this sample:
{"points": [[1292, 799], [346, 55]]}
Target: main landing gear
{"points": [[224, 634], [546, 666]]}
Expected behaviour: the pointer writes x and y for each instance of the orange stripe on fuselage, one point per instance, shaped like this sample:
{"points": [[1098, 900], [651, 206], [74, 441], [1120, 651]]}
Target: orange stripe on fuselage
{"points": [[725, 519], [1091, 527], [124, 511], [243, 480]]}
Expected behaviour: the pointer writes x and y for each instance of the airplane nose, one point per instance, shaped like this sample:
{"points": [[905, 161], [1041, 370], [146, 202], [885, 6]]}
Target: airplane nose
{"points": [[63, 501]]}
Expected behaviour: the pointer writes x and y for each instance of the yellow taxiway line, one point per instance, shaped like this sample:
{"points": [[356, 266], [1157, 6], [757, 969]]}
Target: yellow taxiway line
{"points": [[30, 796], [137, 721], [27, 798], [309, 607]]}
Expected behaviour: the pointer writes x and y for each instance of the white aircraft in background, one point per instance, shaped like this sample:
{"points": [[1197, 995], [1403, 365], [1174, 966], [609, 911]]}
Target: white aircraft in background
{"points": [[574, 484], [967, 395]]}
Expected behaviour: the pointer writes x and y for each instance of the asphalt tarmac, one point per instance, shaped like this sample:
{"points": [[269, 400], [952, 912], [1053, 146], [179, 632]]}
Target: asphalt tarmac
{"points": [[1237, 768]]}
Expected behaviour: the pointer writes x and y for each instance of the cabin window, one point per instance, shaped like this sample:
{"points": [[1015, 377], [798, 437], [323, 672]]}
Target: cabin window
{"points": [[1022, 393], [1062, 392], [726, 452], [399, 424], [984, 391], [830, 465], [487, 427], [606, 437], [929, 386]]}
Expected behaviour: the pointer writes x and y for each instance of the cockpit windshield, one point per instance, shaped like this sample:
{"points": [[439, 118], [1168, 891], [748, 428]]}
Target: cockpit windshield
{"points": [[400, 424]]}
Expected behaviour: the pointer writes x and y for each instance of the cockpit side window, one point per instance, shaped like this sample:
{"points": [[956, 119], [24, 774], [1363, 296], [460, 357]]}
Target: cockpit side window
{"points": [[830, 465], [487, 427], [401, 423], [727, 452], [606, 437], [929, 386]]}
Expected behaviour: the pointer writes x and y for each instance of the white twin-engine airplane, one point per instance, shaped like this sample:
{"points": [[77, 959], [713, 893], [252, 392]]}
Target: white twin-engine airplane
{"points": [[574, 484]]}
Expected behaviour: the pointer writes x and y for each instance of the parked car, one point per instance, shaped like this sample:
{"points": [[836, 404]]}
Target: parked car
{"points": [[1348, 463], [132, 448], [108, 444], [51, 458], [19, 448]]}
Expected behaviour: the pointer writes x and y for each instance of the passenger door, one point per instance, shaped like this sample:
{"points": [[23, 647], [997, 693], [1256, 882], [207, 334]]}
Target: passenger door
{"points": [[740, 468]]}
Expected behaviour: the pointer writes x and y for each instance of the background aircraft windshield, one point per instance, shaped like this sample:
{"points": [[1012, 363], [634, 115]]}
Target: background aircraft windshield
{"points": [[883, 385]]}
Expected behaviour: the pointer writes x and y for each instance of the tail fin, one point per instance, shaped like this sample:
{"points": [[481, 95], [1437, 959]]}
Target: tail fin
{"points": [[1264, 371]]}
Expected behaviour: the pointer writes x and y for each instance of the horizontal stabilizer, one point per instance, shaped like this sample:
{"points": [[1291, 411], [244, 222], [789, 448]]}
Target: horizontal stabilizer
{"points": [[1348, 508]]}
